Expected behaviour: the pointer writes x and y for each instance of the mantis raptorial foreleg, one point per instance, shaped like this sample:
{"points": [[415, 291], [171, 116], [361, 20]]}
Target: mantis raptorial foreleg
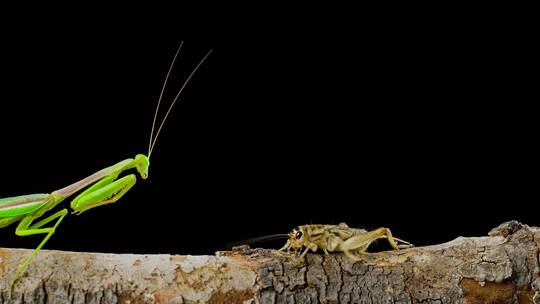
{"points": [[103, 192]]}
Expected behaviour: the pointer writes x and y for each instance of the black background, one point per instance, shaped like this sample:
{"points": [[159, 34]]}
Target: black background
{"points": [[428, 130]]}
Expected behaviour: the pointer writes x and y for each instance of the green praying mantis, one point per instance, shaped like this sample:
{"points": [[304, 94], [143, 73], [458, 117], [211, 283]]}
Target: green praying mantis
{"points": [[103, 187]]}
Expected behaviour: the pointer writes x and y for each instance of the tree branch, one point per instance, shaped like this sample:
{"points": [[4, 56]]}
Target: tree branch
{"points": [[503, 267]]}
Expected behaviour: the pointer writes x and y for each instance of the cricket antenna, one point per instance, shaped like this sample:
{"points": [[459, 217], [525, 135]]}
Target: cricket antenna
{"points": [[161, 96], [254, 240], [154, 139]]}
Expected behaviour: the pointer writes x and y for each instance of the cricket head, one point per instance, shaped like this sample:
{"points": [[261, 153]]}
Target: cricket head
{"points": [[142, 162], [298, 237]]}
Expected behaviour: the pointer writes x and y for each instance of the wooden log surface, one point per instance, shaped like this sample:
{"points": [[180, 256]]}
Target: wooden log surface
{"points": [[503, 267]]}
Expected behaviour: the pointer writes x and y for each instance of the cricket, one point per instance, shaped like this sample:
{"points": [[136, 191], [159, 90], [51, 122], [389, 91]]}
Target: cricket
{"points": [[353, 242], [101, 188]]}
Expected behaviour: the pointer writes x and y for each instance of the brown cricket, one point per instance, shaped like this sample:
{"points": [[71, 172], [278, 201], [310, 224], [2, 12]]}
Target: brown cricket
{"points": [[339, 238]]}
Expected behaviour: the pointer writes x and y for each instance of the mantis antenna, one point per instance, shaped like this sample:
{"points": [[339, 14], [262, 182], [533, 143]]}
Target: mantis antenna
{"points": [[154, 139], [161, 96]]}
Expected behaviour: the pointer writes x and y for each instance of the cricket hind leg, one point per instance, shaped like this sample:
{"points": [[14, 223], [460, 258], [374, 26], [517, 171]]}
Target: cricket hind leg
{"points": [[24, 229], [361, 242], [404, 244]]}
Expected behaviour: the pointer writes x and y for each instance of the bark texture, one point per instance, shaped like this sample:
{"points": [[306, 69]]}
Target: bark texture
{"points": [[503, 267]]}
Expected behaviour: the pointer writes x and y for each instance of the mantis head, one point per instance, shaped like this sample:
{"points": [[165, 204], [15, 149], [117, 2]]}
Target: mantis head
{"points": [[142, 162]]}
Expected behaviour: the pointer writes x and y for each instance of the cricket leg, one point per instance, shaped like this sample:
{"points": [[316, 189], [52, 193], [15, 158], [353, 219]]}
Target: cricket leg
{"points": [[24, 229], [350, 255], [105, 191], [286, 247], [394, 241], [405, 244], [309, 246], [298, 260], [362, 241]]}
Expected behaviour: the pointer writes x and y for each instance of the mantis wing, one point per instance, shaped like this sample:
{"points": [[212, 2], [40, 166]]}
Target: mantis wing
{"points": [[24, 204]]}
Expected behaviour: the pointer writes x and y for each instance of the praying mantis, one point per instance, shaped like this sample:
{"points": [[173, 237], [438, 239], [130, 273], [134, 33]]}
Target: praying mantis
{"points": [[103, 187]]}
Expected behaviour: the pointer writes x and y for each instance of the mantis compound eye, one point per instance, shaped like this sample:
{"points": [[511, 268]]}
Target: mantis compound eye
{"points": [[298, 235]]}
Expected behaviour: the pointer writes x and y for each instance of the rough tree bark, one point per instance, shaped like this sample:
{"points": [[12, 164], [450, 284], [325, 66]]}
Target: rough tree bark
{"points": [[503, 267]]}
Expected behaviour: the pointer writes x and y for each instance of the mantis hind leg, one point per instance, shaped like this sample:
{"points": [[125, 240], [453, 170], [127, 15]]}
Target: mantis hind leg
{"points": [[24, 229]]}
